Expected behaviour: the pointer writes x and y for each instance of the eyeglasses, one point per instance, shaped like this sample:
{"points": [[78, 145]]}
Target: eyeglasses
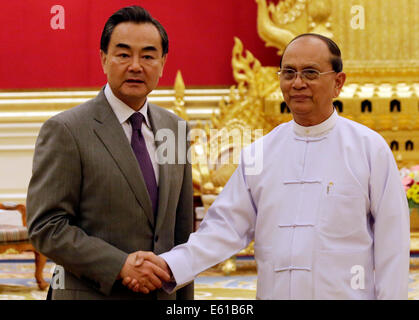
{"points": [[306, 74]]}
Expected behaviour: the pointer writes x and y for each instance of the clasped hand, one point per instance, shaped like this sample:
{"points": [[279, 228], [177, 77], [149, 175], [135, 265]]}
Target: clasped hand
{"points": [[144, 272]]}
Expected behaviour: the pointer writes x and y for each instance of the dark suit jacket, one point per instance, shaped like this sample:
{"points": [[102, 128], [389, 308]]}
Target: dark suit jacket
{"points": [[88, 205]]}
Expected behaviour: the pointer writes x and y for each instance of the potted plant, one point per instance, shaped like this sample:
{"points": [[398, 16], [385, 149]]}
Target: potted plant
{"points": [[410, 180]]}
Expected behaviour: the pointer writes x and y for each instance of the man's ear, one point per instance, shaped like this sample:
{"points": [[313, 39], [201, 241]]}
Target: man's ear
{"points": [[164, 58], [339, 82], [103, 59]]}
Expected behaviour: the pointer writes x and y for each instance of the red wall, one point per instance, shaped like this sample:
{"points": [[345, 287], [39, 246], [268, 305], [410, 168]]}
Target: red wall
{"points": [[201, 33]]}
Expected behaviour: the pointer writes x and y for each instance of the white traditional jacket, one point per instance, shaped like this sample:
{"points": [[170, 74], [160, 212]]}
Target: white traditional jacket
{"points": [[328, 214]]}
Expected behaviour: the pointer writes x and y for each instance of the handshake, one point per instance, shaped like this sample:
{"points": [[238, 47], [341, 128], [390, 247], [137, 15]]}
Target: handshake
{"points": [[144, 272]]}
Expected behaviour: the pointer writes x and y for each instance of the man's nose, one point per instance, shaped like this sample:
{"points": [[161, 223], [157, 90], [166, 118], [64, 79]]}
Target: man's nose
{"points": [[298, 81], [135, 65]]}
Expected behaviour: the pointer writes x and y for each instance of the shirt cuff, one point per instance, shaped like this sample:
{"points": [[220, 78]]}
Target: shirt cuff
{"points": [[181, 271]]}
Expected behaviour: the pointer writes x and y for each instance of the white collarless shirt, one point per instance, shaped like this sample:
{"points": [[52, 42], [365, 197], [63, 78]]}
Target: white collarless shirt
{"points": [[328, 215], [318, 129], [123, 112]]}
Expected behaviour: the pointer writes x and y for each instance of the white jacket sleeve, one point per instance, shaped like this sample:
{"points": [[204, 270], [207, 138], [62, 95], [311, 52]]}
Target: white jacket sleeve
{"points": [[228, 227], [391, 227]]}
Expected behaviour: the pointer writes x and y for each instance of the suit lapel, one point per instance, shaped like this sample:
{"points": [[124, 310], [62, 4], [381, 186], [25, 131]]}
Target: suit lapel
{"points": [[110, 132], [160, 122]]}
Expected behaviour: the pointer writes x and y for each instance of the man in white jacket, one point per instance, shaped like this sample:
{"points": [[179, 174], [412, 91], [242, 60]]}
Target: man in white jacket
{"points": [[328, 212]]}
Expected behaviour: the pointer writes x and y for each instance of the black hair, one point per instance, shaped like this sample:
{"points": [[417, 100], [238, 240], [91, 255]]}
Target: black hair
{"points": [[336, 59], [133, 14]]}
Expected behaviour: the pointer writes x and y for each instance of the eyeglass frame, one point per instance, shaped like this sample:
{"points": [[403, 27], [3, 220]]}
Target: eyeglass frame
{"points": [[296, 73]]}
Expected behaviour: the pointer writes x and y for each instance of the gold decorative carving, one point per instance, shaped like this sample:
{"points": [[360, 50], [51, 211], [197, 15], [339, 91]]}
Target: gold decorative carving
{"points": [[278, 24], [319, 15], [269, 29], [179, 105]]}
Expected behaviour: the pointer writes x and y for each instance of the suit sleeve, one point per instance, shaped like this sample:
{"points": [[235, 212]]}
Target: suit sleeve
{"points": [[391, 227], [53, 211], [185, 220]]}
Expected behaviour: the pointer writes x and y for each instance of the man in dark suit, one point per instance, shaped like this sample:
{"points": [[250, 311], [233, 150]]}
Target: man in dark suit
{"points": [[99, 193]]}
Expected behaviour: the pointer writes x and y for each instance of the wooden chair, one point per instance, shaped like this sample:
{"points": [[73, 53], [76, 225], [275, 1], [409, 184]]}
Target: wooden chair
{"points": [[16, 237]]}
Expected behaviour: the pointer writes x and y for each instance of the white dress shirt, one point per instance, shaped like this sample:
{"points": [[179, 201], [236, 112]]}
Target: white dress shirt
{"points": [[123, 112]]}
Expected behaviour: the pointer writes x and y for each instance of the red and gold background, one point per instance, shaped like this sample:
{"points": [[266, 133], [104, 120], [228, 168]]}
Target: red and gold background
{"points": [[201, 33]]}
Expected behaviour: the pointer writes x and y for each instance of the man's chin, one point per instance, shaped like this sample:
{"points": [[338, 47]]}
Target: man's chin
{"points": [[301, 108], [134, 92]]}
